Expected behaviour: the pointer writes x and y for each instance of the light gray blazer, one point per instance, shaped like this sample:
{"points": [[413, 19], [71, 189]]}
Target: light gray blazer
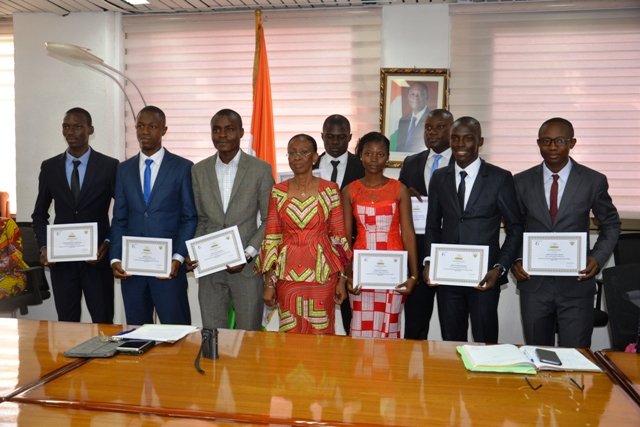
{"points": [[250, 195]]}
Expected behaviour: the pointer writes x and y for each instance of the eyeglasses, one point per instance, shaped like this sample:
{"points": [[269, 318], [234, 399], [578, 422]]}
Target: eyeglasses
{"points": [[560, 142], [303, 153]]}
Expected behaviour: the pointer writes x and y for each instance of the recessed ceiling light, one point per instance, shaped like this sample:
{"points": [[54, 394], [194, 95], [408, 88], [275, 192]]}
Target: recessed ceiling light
{"points": [[137, 1]]}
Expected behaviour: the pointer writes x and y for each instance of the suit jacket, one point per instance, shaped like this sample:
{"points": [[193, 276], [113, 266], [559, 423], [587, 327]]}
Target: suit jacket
{"points": [[170, 214], [93, 202], [250, 194], [493, 197], [354, 170], [416, 142], [586, 191], [412, 175]]}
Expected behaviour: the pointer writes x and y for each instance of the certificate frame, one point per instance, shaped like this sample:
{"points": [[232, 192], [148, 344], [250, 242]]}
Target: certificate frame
{"points": [[194, 246], [363, 258], [163, 246], [55, 233], [438, 266], [534, 268]]}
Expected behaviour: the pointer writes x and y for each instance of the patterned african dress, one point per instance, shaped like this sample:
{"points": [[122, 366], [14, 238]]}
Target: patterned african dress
{"points": [[11, 282], [305, 245], [376, 313]]}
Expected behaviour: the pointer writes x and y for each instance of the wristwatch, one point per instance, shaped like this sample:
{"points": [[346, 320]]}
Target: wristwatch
{"points": [[500, 268], [248, 257]]}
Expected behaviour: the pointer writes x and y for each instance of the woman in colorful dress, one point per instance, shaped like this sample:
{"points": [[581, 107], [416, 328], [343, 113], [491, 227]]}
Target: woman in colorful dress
{"points": [[382, 208], [304, 249], [12, 282]]}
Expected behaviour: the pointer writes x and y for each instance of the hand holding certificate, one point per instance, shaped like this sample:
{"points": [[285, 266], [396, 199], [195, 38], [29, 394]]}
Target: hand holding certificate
{"points": [[215, 251], [72, 242], [458, 265]]}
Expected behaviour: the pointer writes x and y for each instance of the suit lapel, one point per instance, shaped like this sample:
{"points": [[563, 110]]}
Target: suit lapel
{"points": [[539, 194], [165, 167], [89, 176], [569, 190], [61, 176], [450, 181], [240, 174], [134, 172], [478, 185]]}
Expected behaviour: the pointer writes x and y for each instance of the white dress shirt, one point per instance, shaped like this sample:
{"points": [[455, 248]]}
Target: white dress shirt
{"points": [[547, 176], [444, 162], [472, 173], [325, 164], [155, 166]]}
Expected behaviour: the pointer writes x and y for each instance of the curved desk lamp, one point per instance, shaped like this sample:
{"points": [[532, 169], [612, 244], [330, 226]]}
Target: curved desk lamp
{"points": [[82, 55]]}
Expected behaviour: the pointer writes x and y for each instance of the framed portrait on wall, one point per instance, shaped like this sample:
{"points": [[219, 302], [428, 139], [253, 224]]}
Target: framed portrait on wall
{"points": [[406, 97]]}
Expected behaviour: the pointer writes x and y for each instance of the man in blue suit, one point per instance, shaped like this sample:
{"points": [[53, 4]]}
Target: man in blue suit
{"points": [[158, 203]]}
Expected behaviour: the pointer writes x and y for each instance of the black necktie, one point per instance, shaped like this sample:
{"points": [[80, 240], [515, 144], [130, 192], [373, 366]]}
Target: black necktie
{"points": [[461, 190], [334, 174], [75, 181]]}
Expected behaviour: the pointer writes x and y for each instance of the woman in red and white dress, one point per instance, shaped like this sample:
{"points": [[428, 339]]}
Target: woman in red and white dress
{"points": [[382, 208]]}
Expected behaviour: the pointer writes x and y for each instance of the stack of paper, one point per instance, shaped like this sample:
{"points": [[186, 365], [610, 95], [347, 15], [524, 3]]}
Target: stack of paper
{"points": [[511, 359], [160, 333]]}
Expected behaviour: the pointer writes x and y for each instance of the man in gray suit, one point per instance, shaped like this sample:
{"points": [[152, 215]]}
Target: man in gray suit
{"points": [[557, 196], [230, 188]]}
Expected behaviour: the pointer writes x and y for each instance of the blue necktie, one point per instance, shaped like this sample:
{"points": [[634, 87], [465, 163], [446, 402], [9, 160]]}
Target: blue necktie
{"points": [[147, 181], [412, 127], [436, 161]]}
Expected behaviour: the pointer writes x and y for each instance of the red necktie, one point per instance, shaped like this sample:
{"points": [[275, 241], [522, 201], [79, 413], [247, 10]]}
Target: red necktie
{"points": [[553, 198]]}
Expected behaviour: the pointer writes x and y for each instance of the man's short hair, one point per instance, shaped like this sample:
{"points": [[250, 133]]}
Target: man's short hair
{"points": [[440, 112], [470, 121], [229, 113], [559, 120], [78, 110], [155, 110], [337, 119]]}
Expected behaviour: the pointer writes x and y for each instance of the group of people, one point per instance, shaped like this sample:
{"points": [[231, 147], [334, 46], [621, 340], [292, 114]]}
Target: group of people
{"points": [[299, 234]]}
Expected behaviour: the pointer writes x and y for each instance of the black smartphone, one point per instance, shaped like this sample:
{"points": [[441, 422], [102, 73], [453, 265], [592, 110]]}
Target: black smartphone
{"points": [[548, 356], [135, 347]]}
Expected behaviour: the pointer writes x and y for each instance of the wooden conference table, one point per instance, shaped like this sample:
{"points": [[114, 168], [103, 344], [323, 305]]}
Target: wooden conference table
{"points": [[624, 369], [288, 379]]}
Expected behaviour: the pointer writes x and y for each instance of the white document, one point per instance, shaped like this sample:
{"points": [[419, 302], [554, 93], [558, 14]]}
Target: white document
{"points": [[379, 269], [161, 333], [283, 176], [419, 210], [458, 265], [146, 256], [554, 254], [72, 242], [215, 251]]}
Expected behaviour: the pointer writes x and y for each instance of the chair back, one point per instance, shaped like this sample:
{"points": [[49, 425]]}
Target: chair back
{"points": [[623, 314], [627, 250]]}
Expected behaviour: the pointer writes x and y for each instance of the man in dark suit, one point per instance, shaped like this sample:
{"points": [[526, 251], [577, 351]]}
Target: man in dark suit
{"points": [[81, 181], [416, 174], [557, 196], [154, 198], [472, 216], [410, 126], [341, 167]]}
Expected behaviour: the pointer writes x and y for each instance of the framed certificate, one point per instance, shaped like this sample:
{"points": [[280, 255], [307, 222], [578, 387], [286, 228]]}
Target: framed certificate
{"points": [[419, 211], [146, 256], [72, 242], [554, 254], [458, 265], [283, 176], [379, 269], [215, 251]]}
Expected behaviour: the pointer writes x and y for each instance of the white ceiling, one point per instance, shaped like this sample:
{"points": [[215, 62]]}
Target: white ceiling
{"points": [[64, 7]]}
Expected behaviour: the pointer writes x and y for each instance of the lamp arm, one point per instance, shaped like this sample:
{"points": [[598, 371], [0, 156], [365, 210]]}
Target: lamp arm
{"points": [[123, 75], [118, 83]]}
